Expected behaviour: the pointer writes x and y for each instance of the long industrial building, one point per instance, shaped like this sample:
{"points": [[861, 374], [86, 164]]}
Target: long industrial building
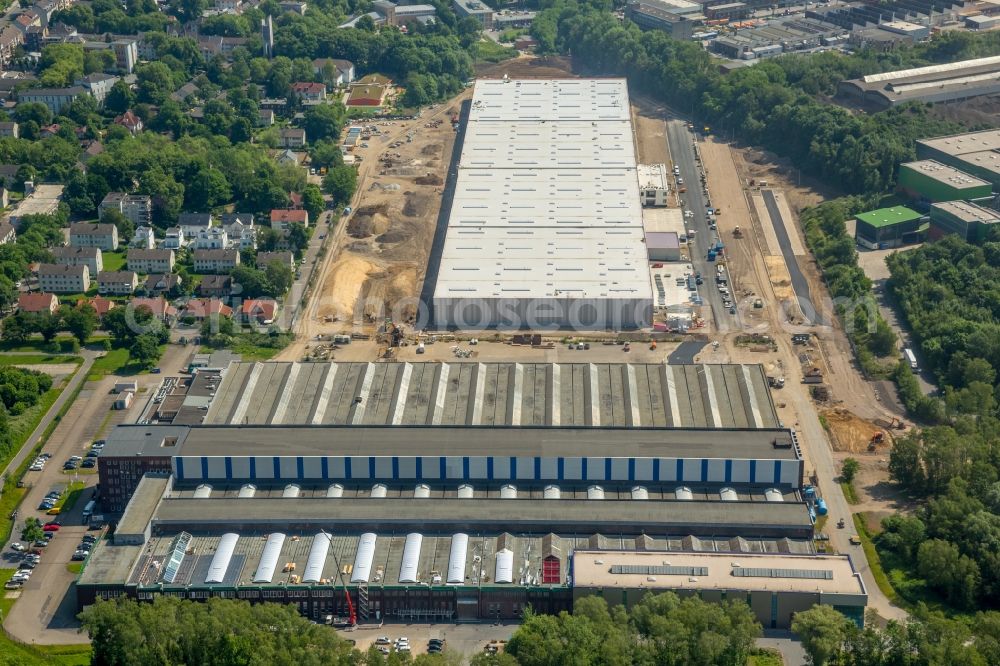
{"points": [[467, 491], [975, 153], [545, 226], [936, 83]]}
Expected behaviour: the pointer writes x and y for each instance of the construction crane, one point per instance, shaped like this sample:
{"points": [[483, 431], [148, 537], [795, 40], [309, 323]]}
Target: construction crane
{"points": [[352, 616]]}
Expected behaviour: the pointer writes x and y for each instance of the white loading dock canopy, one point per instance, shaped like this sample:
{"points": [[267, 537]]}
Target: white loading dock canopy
{"points": [[269, 558], [317, 558], [223, 555], [362, 570]]}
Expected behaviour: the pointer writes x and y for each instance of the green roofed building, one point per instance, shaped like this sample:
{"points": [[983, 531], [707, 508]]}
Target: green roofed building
{"points": [[968, 220], [932, 181], [888, 227]]}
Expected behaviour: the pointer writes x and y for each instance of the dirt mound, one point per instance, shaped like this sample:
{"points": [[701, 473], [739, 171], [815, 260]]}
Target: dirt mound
{"points": [[394, 236], [417, 204], [849, 433], [431, 150], [368, 221], [429, 179]]}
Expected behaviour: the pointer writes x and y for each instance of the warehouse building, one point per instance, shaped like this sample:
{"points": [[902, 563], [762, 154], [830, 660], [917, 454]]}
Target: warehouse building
{"points": [[774, 586], [932, 181], [936, 83], [889, 227], [552, 159], [573, 395], [967, 220], [975, 153]]}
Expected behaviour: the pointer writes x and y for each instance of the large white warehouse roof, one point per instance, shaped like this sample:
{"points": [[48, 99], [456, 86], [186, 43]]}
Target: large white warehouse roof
{"points": [[546, 207]]}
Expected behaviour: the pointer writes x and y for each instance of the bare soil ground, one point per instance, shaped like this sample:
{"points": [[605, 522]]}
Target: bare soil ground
{"points": [[979, 111], [529, 67], [850, 434], [383, 257]]}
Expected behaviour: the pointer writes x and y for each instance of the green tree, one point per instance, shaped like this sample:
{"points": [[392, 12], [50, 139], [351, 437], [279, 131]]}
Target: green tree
{"points": [[312, 201], [325, 154], [144, 350], [125, 226], [849, 469], [944, 568], [188, 10], [322, 122], [822, 631], [120, 98], [8, 293], [60, 64], [32, 530], [279, 278], [48, 325], [80, 321], [340, 184]]}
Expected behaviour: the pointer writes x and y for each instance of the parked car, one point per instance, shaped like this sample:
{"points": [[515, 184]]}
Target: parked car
{"points": [[51, 527], [18, 546], [89, 463]]}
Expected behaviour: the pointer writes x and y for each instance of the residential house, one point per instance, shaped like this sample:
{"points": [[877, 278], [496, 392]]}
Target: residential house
{"points": [[259, 310], [283, 258], [126, 54], [334, 72], [292, 137], [91, 149], [119, 283], [265, 118], [8, 175], [10, 39], [26, 20], [63, 279], [98, 85], [240, 229], [39, 302], [202, 309], [89, 234], [9, 129], [216, 286], [151, 261], [7, 232], [56, 99], [229, 6], [49, 130], [213, 45], [137, 208], [101, 305], [289, 156], [162, 284], [281, 218], [213, 238], [143, 238], [174, 238], [366, 95], [295, 200], [91, 257], [294, 6], [159, 307], [192, 223], [276, 104], [130, 121], [309, 91], [215, 261]]}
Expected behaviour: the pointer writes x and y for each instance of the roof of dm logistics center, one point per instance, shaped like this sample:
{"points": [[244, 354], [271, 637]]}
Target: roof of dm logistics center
{"points": [[963, 144], [945, 174], [544, 155], [885, 217], [473, 394]]}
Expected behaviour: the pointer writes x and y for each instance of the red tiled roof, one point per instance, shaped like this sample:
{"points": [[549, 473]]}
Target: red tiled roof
{"points": [[39, 302], [201, 308], [158, 306], [100, 305], [289, 215], [259, 308]]}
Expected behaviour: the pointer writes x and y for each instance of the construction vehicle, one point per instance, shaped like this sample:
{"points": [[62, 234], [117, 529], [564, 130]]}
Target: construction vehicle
{"points": [[813, 376], [776, 382], [352, 615], [737, 232], [892, 424]]}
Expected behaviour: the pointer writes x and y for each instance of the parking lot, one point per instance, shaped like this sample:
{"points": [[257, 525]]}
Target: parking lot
{"points": [[465, 639]]}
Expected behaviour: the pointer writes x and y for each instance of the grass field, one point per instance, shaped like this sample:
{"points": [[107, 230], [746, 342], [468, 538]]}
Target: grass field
{"points": [[113, 261], [73, 492], [881, 579], [113, 362], [850, 493], [38, 359], [765, 657]]}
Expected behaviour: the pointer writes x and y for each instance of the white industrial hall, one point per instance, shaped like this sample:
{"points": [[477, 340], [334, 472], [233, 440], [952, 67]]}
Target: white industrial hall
{"points": [[545, 228]]}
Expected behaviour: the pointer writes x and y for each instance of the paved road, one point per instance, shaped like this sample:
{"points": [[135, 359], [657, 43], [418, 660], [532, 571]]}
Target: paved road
{"points": [[807, 307], [680, 141], [888, 309], [787, 644], [88, 360], [293, 301]]}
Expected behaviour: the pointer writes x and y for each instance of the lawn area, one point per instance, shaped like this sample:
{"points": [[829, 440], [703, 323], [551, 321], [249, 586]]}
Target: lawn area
{"points": [[38, 359], [13, 652], [881, 579], [765, 657], [850, 494], [22, 425], [486, 50], [111, 363], [75, 568], [68, 501], [113, 261]]}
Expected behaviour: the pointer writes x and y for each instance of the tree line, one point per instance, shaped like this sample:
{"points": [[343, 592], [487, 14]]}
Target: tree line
{"points": [[776, 104]]}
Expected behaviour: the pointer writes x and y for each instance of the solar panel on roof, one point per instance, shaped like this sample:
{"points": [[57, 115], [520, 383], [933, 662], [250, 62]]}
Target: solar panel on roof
{"points": [[177, 551], [658, 570], [760, 572]]}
